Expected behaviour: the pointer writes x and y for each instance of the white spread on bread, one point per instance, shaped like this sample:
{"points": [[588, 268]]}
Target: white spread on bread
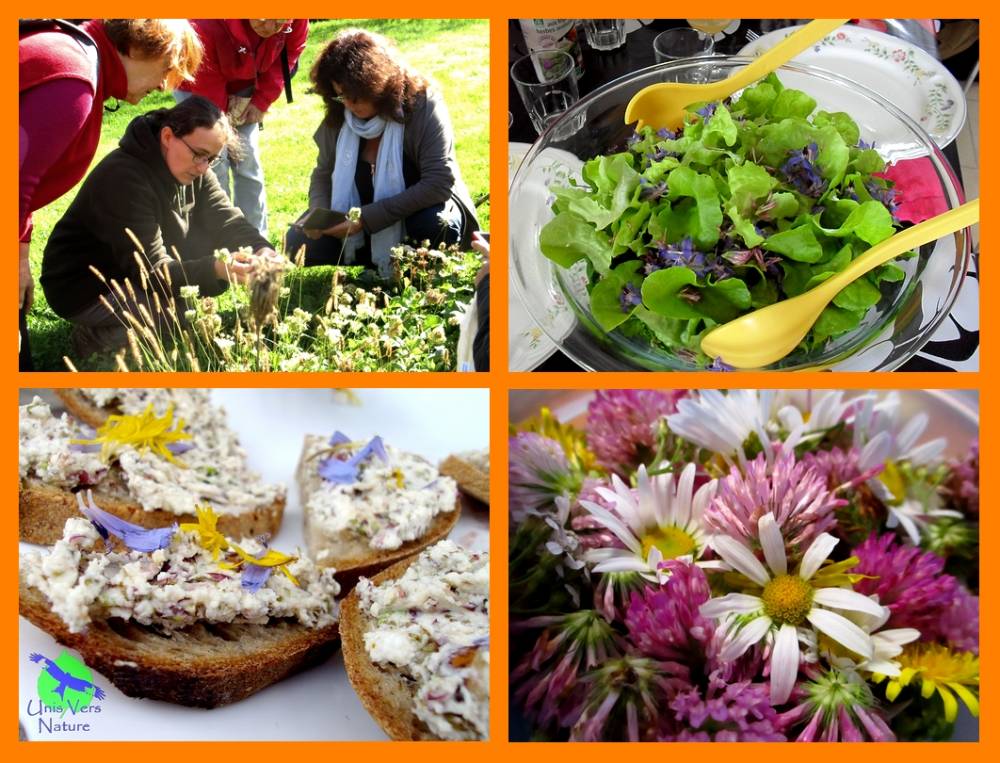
{"points": [[172, 587], [432, 625], [215, 470], [478, 458], [387, 505]]}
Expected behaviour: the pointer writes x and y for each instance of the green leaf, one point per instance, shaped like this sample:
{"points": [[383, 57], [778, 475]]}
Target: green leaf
{"points": [[842, 123], [780, 139], [833, 155], [629, 231], [798, 244], [870, 221], [792, 104], [756, 101], [724, 300], [721, 123], [867, 161], [605, 296], [834, 321], [763, 293], [744, 228], [667, 330], [858, 295], [748, 182], [659, 292], [567, 238], [889, 272], [785, 205]]}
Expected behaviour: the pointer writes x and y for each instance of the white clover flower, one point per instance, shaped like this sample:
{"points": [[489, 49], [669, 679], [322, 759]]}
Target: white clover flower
{"points": [[354, 214], [190, 291]]}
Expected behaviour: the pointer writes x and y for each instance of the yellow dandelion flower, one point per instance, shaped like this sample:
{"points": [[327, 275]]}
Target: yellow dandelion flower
{"points": [[209, 537], [937, 668], [572, 440], [145, 431], [271, 559]]}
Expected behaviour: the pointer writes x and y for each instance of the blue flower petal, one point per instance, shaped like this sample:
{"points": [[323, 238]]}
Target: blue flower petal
{"points": [[338, 437], [179, 447], [335, 470], [254, 576], [136, 537]]}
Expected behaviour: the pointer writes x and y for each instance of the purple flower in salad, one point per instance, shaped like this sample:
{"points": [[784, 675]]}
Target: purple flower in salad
{"points": [[664, 134], [718, 364], [800, 170], [651, 191], [630, 297], [669, 256], [886, 196], [706, 111], [136, 537], [342, 467]]}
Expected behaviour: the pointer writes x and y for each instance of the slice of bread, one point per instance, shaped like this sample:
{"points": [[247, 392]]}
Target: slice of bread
{"points": [[204, 665], [44, 508], [386, 695], [354, 557], [470, 477]]}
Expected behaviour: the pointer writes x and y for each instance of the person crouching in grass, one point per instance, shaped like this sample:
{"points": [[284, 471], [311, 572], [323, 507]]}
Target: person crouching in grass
{"points": [[150, 212]]}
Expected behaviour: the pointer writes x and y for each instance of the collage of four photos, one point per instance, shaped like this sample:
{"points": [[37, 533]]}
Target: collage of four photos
{"points": [[754, 557]]}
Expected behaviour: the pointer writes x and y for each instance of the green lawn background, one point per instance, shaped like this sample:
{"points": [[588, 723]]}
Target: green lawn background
{"points": [[454, 53]]}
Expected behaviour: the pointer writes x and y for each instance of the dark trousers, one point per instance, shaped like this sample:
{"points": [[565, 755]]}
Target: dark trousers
{"points": [[441, 223], [24, 362]]}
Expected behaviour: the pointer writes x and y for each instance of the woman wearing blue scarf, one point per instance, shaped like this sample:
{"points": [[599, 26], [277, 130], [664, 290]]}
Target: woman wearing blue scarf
{"points": [[386, 146]]}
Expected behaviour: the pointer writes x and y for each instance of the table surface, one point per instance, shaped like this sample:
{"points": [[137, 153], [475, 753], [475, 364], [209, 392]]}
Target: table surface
{"points": [[958, 345]]}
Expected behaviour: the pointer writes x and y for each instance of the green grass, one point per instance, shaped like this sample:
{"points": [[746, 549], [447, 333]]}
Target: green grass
{"points": [[452, 52]]}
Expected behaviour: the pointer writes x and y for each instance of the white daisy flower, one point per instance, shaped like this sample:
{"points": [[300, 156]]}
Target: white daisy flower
{"points": [[789, 608], [882, 437], [661, 521], [886, 645], [814, 411], [721, 422]]}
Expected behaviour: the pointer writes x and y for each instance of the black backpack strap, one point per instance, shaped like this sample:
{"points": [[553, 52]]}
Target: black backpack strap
{"points": [[286, 73]]}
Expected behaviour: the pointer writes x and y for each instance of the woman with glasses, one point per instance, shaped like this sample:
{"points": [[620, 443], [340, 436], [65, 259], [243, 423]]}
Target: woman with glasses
{"points": [[243, 73], [151, 201], [386, 146], [66, 74]]}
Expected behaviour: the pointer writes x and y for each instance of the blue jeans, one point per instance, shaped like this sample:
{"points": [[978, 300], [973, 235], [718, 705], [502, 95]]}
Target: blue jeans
{"points": [[248, 193]]}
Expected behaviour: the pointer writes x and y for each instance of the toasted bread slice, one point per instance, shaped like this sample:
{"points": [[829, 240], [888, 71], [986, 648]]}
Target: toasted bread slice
{"points": [[354, 558], [43, 508], [386, 695], [471, 479], [43, 511], [205, 665]]}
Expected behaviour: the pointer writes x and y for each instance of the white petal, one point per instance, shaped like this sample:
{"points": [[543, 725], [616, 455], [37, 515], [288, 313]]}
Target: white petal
{"points": [[875, 452], [842, 630], [621, 564], [909, 434], [681, 503], [841, 598], [897, 513], [731, 603], [816, 554], [885, 667], [927, 453], [748, 635], [784, 664], [773, 544], [899, 636], [740, 558], [609, 520]]}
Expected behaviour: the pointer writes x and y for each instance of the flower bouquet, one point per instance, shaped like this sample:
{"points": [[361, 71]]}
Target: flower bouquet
{"points": [[754, 565]]}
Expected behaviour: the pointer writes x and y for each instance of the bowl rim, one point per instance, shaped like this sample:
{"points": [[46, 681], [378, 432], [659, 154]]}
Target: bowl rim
{"points": [[934, 151]]}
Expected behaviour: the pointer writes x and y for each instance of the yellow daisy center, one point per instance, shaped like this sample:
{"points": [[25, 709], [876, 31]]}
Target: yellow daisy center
{"points": [[787, 599], [894, 480], [671, 540]]}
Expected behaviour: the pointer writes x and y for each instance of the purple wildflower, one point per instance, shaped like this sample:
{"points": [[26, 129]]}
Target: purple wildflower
{"points": [[622, 425], [254, 575], [754, 257], [539, 472], [800, 170], [840, 707], [632, 139], [840, 468], [136, 537], [630, 298], [959, 624], [625, 700], [664, 134], [547, 681], [964, 482], [887, 197], [865, 146], [342, 468], [718, 364], [793, 492], [670, 256], [907, 580], [652, 191], [665, 622], [726, 712]]}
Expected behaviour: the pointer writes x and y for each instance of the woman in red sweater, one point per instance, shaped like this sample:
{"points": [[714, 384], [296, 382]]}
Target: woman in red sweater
{"points": [[70, 72]]}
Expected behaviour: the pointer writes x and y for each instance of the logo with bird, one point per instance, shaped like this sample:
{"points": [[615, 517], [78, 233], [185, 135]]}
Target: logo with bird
{"points": [[65, 681]]}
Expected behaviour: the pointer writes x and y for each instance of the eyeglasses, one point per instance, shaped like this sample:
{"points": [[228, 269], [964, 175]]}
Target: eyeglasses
{"points": [[200, 157]]}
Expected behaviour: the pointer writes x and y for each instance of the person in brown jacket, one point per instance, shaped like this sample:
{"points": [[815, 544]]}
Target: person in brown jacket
{"points": [[157, 186], [386, 146]]}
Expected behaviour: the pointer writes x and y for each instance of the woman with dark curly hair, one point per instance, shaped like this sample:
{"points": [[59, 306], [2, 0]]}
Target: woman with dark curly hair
{"points": [[385, 146]]}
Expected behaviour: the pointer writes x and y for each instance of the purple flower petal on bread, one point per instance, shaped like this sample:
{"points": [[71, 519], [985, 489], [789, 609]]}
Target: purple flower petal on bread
{"points": [[345, 471], [179, 447], [136, 537], [338, 437], [254, 576]]}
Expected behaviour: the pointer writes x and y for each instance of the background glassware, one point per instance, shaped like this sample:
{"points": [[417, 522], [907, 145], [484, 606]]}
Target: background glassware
{"points": [[710, 26], [682, 42], [547, 85], [605, 34]]}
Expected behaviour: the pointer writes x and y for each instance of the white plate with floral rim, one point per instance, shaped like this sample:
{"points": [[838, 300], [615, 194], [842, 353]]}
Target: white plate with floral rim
{"points": [[529, 345], [905, 75]]}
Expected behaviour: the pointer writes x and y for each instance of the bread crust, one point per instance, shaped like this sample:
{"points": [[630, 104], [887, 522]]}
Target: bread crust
{"points": [[204, 665], [470, 479], [83, 409], [43, 511], [369, 561], [385, 694]]}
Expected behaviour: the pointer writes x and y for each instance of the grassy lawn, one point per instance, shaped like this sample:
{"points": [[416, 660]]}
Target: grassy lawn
{"points": [[453, 52]]}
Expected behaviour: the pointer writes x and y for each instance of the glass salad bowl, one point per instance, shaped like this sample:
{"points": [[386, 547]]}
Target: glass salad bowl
{"points": [[557, 299]]}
